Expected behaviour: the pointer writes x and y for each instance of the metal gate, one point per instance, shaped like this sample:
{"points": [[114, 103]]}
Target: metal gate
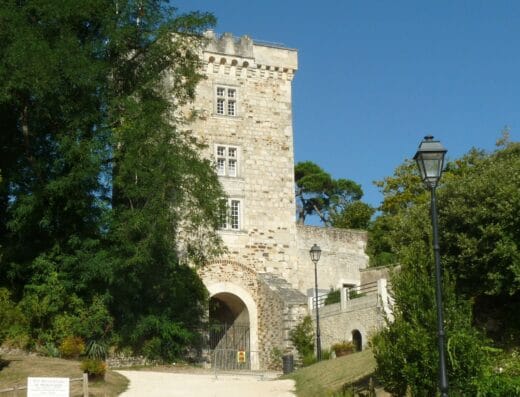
{"points": [[230, 347]]}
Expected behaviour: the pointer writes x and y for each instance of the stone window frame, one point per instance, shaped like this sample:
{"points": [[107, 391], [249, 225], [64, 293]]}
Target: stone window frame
{"points": [[233, 222], [226, 100], [224, 160]]}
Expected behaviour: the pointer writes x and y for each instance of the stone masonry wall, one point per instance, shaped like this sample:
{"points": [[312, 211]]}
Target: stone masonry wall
{"points": [[343, 256], [262, 132], [281, 308], [337, 326], [271, 324]]}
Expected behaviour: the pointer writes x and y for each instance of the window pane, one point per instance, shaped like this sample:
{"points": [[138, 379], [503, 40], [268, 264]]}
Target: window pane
{"points": [[231, 93], [234, 216], [221, 166], [231, 108], [232, 152], [221, 151], [220, 106], [232, 168], [220, 91]]}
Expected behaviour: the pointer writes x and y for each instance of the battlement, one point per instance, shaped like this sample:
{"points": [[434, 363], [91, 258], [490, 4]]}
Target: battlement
{"points": [[244, 52]]}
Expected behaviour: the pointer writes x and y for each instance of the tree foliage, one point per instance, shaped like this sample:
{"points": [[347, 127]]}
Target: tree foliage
{"points": [[477, 202], [98, 178], [334, 201]]}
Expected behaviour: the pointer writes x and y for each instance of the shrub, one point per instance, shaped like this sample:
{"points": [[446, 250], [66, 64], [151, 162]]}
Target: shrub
{"points": [[302, 337], [95, 369], [72, 347], [343, 348], [13, 324], [334, 296], [275, 359], [49, 350], [96, 350], [308, 359], [158, 338]]}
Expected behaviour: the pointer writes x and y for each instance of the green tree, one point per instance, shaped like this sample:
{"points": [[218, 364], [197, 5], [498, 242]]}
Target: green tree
{"points": [[480, 229], [334, 201], [478, 203], [98, 178]]}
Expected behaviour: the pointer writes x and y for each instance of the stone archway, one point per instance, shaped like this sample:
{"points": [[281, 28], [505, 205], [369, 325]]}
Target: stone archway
{"points": [[227, 312], [238, 305]]}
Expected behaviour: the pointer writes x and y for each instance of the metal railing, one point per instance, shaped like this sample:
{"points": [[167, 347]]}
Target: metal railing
{"points": [[352, 293]]}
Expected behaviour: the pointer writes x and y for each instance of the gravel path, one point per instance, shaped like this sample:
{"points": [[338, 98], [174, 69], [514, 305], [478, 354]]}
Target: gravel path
{"points": [[164, 384]]}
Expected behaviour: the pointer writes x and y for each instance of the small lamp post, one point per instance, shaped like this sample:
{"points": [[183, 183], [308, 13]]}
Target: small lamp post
{"points": [[315, 253], [430, 160]]}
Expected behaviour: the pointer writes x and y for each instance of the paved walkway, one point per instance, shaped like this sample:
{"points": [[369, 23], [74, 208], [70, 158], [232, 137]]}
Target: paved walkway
{"points": [[164, 384]]}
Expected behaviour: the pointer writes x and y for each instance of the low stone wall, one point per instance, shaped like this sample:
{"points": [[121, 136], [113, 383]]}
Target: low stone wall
{"points": [[123, 361]]}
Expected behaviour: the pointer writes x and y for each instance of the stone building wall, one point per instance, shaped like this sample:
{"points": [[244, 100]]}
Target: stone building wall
{"points": [[261, 131], [337, 325], [343, 256]]}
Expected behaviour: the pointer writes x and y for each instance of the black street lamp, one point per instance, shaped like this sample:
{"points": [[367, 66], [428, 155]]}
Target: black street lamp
{"points": [[315, 257], [430, 160]]}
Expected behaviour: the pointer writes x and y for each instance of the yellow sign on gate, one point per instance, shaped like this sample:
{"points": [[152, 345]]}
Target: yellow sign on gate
{"points": [[241, 356]]}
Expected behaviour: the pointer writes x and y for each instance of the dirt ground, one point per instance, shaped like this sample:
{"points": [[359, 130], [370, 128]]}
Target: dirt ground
{"points": [[167, 384]]}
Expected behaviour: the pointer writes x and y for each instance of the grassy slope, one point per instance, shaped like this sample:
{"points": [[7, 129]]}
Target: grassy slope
{"points": [[329, 376], [18, 367]]}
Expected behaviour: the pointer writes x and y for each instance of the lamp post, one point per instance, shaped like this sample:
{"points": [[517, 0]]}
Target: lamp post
{"points": [[315, 257], [430, 160]]}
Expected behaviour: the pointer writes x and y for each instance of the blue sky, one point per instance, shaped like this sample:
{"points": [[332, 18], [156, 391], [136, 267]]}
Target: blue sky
{"points": [[376, 76]]}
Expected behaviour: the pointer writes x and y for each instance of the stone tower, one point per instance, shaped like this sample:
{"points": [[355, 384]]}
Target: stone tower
{"points": [[246, 122], [244, 112]]}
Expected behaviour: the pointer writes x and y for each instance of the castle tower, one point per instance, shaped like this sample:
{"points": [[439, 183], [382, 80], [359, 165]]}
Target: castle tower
{"points": [[246, 109]]}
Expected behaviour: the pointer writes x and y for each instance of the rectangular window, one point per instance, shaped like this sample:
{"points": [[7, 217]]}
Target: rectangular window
{"points": [[234, 215], [227, 160], [226, 101], [231, 218]]}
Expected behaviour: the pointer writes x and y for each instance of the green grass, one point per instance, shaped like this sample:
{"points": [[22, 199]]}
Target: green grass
{"points": [[328, 377], [15, 369]]}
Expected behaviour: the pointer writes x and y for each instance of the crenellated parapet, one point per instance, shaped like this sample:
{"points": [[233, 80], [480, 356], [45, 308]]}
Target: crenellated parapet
{"points": [[243, 57]]}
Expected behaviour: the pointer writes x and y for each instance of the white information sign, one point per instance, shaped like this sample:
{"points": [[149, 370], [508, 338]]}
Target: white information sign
{"points": [[48, 387]]}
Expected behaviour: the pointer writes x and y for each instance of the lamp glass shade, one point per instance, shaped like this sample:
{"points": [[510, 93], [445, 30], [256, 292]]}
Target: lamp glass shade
{"points": [[430, 160], [315, 253]]}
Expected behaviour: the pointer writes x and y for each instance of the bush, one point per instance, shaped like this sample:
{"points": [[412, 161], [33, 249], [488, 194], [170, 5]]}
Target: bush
{"points": [[72, 347], [13, 324], [343, 348], [158, 338], [95, 369], [302, 337], [334, 296], [96, 350]]}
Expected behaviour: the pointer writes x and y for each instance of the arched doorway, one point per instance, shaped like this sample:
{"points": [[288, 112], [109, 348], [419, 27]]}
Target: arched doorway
{"points": [[234, 307], [229, 323], [357, 340]]}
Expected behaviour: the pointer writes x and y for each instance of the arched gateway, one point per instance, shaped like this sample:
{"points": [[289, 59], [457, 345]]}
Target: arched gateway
{"points": [[256, 310], [233, 309]]}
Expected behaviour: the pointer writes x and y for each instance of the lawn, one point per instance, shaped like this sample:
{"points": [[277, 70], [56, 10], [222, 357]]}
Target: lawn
{"points": [[16, 368], [327, 377]]}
